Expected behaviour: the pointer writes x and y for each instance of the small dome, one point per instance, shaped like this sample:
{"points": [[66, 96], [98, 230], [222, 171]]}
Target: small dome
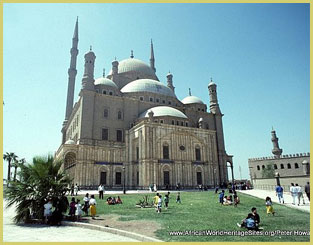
{"points": [[105, 81], [70, 142], [132, 64], [147, 85], [160, 111], [192, 100], [212, 84]]}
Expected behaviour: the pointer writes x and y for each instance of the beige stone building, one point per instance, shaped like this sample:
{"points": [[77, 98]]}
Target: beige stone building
{"points": [[128, 128], [287, 169]]}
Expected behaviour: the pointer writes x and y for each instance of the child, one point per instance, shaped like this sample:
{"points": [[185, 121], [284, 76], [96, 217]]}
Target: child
{"points": [[48, 211], [92, 204], [178, 198], [86, 204], [221, 197], [78, 211], [250, 222], [72, 208], [166, 200], [269, 206], [160, 204]]}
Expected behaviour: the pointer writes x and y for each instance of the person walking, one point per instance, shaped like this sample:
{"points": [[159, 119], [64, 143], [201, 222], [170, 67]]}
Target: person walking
{"points": [[299, 194], [72, 190], [160, 204], [221, 197], [101, 190], [293, 193], [92, 204], [47, 211], [166, 200], [307, 190], [279, 193]]}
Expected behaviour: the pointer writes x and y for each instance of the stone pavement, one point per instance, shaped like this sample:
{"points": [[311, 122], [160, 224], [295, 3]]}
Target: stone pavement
{"points": [[287, 198], [43, 233]]}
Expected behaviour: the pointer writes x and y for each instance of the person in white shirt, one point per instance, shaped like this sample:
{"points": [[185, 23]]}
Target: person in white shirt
{"points": [[101, 190], [86, 204], [76, 189], [78, 211], [294, 193], [299, 194]]}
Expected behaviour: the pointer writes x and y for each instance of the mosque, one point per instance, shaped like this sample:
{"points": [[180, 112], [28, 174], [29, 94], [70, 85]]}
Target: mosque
{"points": [[130, 130]]}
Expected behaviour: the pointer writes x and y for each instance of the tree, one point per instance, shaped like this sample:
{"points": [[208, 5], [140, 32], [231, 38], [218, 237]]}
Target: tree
{"points": [[9, 157], [39, 181], [268, 171], [16, 165]]}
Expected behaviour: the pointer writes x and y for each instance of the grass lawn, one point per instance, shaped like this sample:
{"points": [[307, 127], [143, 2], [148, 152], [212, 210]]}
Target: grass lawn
{"points": [[201, 211]]}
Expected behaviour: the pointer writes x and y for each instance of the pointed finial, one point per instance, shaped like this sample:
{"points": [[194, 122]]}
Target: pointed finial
{"points": [[151, 42], [90, 48], [77, 19], [211, 80], [272, 128], [131, 54], [189, 92], [103, 72], [115, 58]]}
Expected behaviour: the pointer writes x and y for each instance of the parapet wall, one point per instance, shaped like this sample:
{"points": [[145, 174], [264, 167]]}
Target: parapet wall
{"points": [[281, 157]]}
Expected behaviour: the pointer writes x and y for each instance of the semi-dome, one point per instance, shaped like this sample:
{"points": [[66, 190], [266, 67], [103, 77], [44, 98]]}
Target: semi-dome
{"points": [[148, 85], [192, 100], [70, 142], [132, 64], [160, 111], [105, 81]]}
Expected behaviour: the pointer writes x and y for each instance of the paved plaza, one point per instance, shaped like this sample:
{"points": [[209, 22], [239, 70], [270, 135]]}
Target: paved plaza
{"points": [[287, 198]]}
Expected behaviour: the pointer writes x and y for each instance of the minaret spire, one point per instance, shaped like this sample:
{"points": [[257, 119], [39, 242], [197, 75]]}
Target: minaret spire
{"points": [[276, 150], [72, 74], [189, 92], [152, 57]]}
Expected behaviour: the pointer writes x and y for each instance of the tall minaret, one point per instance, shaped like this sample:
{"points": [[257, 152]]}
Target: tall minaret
{"points": [[152, 58], [214, 107], [88, 78], [276, 150], [72, 75]]}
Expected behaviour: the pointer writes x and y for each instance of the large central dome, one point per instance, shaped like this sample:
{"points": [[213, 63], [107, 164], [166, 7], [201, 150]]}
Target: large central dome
{"points": [[136, 65], [148, 85]]}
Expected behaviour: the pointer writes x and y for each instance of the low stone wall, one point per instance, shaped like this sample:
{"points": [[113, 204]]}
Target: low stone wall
{"points": [[270, 184]]}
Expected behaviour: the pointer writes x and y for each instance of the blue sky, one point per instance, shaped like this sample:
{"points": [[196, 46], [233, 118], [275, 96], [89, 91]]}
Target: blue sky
{"points": [[257, 54]]}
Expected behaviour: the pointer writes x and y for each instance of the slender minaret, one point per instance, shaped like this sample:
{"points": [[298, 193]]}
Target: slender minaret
{"points": [[214, 107], [276, 150], [169, 77], [72, 75], [152, 58], [88, 78]]}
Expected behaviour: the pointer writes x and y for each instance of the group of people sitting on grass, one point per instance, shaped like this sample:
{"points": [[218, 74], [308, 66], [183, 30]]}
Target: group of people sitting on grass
{"points": [[232, 199], [113, 200], [252, 221]]}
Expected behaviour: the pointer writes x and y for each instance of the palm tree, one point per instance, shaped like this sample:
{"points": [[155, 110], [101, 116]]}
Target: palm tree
{"points": [[38, 181], [17, 164], [9, 157]]}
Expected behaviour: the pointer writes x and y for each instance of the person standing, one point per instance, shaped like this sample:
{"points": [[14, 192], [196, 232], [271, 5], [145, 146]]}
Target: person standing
{"points": [[307, 190], [293, 193], [92, 204], [166, 201], [299, 194], [279, 193], [72, 190], [76, 189], [160, 204], [269, 206], [78, 211], [47, 211], [178, 198], [101, 190], [154, 188], [86, 204], [221, 197]]}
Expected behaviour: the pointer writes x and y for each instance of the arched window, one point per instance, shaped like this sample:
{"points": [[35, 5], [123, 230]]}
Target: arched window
{"points": [[275, 166], [106, 113], [198, 153], [282, 166], [296, 165], [119, 115], [166, 153], [289, 166], [258, 167], [263, 167]]}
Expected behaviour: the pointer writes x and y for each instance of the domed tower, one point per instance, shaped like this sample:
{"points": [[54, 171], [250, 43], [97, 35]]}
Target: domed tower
{"points": [[214, 107], [88, 79], [276, 150]]}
